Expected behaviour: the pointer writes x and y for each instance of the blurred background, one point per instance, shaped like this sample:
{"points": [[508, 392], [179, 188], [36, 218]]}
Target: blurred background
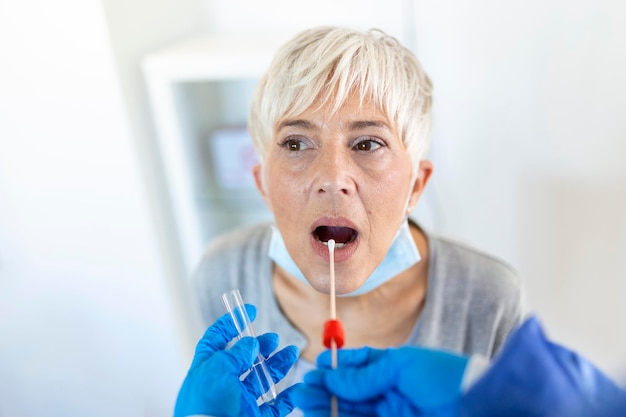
{"points": [[123, 150]]}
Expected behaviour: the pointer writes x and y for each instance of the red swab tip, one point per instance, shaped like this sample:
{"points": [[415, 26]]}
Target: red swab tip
{"points": [[333, 330]]}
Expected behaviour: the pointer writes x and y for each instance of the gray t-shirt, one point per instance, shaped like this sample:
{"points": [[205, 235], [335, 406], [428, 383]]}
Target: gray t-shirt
{"points": [[473, 300]]}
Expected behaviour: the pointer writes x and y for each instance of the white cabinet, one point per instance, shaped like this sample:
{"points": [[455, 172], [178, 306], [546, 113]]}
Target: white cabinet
{"points": [[200, 91]]}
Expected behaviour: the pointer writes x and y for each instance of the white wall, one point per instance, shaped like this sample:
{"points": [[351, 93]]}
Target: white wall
{"points": [[86, 321], [135, 29], [528, 145], [289, 16]]}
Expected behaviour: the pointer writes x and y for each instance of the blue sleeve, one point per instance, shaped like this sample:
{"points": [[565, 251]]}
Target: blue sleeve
{"points": [[532, 376]]}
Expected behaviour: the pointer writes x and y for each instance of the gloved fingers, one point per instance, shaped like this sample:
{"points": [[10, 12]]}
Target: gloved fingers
{"points": [[326, 413], [313, 399], [282, 405], [396, 404], [219, 334], [364, 382], [277, 365], [342, 413], [214, 386], [315, 377], [268, 343], [240, 357], [282, 361], [350, 357]]}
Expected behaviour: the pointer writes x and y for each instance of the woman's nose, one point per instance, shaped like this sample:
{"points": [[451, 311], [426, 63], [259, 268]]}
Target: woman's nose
{"points": [[335, 173]]}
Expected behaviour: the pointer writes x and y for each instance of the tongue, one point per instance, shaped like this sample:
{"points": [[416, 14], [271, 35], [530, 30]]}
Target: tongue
{"points": [[339, 234]]}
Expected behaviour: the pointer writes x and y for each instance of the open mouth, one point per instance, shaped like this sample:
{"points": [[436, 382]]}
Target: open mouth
{"points": [[341, 235]]}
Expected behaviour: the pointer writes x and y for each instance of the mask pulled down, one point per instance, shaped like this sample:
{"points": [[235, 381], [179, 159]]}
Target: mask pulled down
{"points": [[402, 254]]}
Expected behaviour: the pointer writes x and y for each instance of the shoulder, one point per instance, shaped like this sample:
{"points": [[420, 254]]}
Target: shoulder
{"points": [[239, 240], [468, 266], [238, 247], [230, 261], [476, 293]]}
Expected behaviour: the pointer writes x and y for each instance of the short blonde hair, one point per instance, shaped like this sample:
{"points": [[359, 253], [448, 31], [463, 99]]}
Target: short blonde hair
{"points": [[330, 63]]}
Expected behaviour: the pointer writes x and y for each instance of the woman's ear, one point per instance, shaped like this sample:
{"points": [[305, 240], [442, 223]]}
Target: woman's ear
{"points": [[424, 171], [257, 172]]}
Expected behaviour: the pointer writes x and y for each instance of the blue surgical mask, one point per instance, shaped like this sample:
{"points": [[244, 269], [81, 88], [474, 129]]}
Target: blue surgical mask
{"points": [[402, 255]]}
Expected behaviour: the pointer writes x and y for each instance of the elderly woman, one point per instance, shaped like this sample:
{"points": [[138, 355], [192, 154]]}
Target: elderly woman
{"points": [[341, 124]]}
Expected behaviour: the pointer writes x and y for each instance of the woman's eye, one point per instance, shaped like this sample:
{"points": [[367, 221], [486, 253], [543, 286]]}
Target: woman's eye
{"points": [[367, 145], [294, 145]]}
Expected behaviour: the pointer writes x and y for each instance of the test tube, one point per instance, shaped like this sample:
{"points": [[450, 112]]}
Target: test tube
{"points": [[234, 305]]}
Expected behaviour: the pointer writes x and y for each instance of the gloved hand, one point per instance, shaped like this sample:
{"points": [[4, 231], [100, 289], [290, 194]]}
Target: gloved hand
{"points": [[407, 381], [213, 386], [533, 376]]}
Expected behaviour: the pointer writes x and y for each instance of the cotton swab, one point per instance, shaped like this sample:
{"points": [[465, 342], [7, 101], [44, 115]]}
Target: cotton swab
{"points": [[333, 329]]}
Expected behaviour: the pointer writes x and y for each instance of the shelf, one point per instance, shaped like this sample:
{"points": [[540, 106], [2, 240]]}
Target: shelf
{"points": [[196, 87]]}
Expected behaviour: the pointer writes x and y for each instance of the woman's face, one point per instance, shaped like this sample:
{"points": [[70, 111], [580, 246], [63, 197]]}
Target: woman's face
{"points": [[342, 175]]}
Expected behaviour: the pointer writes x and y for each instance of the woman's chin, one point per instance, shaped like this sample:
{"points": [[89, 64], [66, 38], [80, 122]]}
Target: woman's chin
{"points": [[340, 288]]}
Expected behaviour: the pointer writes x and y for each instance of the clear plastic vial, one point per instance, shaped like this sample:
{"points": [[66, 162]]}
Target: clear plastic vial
{"points": [[234, 305]]}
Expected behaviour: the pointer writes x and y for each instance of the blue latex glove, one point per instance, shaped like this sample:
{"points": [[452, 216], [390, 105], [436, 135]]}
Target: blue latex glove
{"points": [[532, 376], [407, 381], [213, 386]]}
